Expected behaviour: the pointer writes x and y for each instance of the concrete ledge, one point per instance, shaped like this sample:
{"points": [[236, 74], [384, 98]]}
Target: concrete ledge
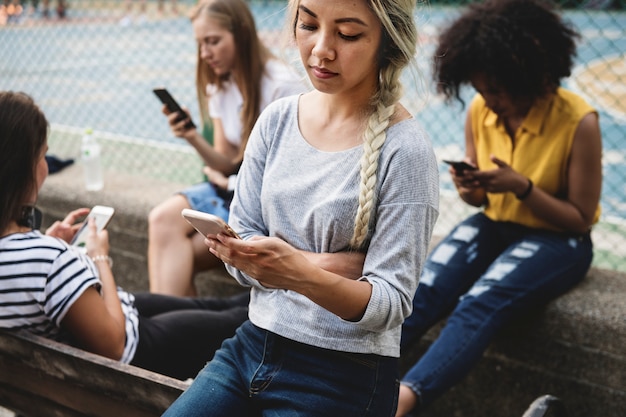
{"points": [[132, 196], [573, 349]]}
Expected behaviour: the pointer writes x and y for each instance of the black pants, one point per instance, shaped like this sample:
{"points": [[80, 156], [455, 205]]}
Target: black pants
{"points": [[179, 335]]}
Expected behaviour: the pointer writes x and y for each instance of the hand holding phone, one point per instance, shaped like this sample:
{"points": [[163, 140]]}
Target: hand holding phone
{"points": [[173, 106], [460, 166], [208, 224], [102, 215]]}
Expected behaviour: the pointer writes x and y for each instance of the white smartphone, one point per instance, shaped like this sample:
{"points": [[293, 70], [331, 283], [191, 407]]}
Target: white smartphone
{"points": [[102, 214], [208, 224]]}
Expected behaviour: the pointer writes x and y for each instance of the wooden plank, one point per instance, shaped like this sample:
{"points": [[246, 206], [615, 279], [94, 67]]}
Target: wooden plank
{"points": [[74, 382], [29, 405]]}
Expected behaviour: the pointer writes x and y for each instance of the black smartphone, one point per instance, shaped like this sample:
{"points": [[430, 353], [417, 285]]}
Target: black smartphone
{"points": [[460, 166], [172, 105]]}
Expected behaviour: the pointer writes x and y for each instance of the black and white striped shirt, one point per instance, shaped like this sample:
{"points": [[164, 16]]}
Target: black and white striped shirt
{"points": [[40, 279]]}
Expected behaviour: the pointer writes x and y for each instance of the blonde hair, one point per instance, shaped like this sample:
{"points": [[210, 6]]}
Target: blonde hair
{"points": [[252, 55], [396, 51]]}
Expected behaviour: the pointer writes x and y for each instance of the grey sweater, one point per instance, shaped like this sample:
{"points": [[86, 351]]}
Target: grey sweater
{"points": [[288, 189]]}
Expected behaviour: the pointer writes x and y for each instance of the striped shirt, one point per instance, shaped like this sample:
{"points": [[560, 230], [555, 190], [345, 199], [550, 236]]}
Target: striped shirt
{"points": [[40, 279]]}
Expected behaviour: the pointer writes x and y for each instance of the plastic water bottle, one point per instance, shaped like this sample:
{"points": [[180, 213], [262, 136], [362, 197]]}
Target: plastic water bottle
{"points": [[92, 165]]}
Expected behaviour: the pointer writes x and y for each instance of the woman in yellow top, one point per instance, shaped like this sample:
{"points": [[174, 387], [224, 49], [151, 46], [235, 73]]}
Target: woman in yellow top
{"points": [[537, 149]]}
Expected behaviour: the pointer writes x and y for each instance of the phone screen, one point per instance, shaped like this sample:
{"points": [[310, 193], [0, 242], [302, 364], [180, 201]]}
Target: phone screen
{"points": [[172, 105], [208, 224], [102, 215], [460, 166]]}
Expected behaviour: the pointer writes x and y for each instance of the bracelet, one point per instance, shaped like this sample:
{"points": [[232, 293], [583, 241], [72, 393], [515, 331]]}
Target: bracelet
{"points": [[103, 258], [527, 192]]}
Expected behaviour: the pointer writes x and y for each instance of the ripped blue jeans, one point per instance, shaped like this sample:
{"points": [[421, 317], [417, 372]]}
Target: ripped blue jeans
{"points": [[484, 274]]}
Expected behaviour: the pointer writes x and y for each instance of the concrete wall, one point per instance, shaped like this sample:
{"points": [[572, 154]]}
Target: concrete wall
{"points": [[132, 196], [573, 349]]}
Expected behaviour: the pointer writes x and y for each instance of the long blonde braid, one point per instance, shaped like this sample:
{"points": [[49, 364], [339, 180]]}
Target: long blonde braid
{"points": [[374, 137], [398, 48]]}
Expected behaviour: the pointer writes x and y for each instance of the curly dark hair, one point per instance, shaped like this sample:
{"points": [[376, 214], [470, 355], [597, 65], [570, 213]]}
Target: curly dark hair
{"points": [[523, 46]]}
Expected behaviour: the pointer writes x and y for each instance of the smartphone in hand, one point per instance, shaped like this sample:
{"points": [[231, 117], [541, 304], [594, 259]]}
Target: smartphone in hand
{"points": [[172, 105], [102, 214], [208, 224], [460, 166]]}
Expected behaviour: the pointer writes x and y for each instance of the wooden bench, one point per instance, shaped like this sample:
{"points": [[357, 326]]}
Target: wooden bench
{"points": [[41, 377]]}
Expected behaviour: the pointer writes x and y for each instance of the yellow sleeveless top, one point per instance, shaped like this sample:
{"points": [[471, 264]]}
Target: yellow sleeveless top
{"points": [[540, 151]]}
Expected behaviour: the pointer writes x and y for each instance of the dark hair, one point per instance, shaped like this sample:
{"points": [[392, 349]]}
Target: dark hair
{"points": [[23, 132], [523, 46]]}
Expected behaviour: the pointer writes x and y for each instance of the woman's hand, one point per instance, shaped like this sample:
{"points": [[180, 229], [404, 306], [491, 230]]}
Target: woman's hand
{"points": [[97, 242], [469, 187], [67, 228], [178, 124], [276, 264], [503, 179], [96, 319], [346, 264], [216, 177], [269, 260], [463, 180]]}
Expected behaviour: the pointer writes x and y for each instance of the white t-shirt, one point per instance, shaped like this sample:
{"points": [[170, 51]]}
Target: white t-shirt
{"points": [[279, 80]]}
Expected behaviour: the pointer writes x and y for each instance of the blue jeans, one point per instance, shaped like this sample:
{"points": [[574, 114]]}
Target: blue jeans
{"points": [[207, 198], [258, 373], [486, 273]]}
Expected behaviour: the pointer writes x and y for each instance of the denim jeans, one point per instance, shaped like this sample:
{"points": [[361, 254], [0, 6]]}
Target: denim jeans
{"points": [[207, 198], [258, 373], [486, 273]]}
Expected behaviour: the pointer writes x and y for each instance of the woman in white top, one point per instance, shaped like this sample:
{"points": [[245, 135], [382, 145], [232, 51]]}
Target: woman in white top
{"points": [[237, 77]]}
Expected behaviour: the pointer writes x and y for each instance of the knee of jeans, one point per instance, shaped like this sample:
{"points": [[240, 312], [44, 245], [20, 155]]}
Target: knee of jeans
{"points": [[461, 242]]}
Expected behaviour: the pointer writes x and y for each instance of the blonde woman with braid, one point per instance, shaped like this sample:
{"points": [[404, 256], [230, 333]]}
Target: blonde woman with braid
{"points": [[335, 203]]}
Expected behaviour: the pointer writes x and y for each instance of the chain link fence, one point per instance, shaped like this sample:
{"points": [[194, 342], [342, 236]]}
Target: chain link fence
{"points": [[93, 64]]}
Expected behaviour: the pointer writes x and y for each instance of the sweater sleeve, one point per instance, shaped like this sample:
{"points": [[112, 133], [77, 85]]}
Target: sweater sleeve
{"points": [[248, 220], [405, 217]]}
